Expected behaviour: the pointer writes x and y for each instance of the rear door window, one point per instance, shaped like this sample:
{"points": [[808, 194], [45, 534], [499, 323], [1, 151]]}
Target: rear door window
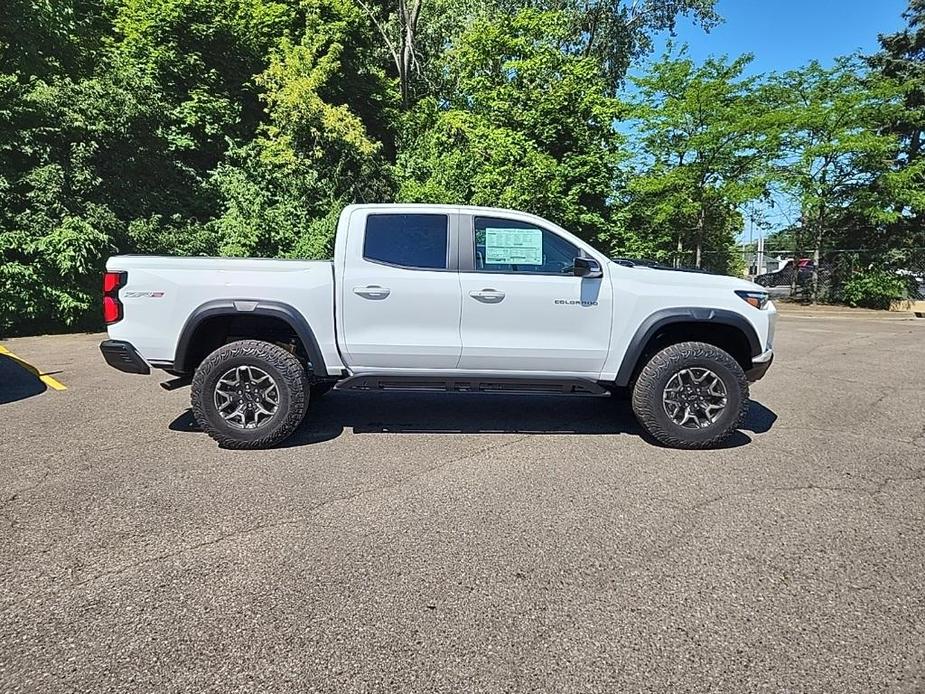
{"points": [[417, 241]]}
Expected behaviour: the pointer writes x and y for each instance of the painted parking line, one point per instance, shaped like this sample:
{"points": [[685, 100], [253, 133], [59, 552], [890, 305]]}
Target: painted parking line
{"points": [[49, 381]]}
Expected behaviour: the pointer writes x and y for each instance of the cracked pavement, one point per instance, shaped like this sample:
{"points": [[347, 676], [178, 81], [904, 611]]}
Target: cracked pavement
{"points": [[478, 543]]}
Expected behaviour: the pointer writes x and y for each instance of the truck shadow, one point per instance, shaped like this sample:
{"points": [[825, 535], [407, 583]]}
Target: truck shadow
{"points": [[473, 413], [18, 381]]}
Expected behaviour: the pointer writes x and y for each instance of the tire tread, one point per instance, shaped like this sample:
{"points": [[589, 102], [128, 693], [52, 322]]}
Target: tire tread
{"points": [[645, 400], [286, 363]]}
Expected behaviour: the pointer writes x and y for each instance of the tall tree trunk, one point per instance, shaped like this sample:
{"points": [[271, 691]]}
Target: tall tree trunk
{"points": [[818, 245], [409, 12], [403, 54], [817, 238], [403, 80], [700, 225], [402, 48]]}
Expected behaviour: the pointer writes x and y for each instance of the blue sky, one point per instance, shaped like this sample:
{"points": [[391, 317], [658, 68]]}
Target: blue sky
{"points": [[784, 34]]}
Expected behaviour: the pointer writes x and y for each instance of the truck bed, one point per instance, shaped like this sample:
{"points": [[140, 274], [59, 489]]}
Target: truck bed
{"points": [[163, 292]]}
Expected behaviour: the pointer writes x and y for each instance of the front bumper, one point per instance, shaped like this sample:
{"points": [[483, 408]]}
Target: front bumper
{"points": [[122, 355], [760, 366]]}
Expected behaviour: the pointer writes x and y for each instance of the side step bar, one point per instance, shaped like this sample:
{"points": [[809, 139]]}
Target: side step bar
{"points": [[471, 384]]}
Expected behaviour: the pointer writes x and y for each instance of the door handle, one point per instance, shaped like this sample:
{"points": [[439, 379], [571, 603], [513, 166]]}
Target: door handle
{"points": [[487, 296], [372, 291]]}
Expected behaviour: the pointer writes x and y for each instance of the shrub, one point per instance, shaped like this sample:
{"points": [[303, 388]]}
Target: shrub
{"points": [[875, 289]]}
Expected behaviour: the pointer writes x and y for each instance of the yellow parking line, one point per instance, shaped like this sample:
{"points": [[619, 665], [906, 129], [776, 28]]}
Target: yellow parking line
{"points": [[49, 381], [52, 382]]}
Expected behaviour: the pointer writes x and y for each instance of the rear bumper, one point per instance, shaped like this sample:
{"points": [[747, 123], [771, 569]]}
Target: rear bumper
{"points": [[760, 366], [121, 355]]}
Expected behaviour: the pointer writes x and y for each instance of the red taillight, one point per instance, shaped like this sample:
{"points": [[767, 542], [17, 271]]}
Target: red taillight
{"points": [[112, 310], [112, 307], [112, 281]]}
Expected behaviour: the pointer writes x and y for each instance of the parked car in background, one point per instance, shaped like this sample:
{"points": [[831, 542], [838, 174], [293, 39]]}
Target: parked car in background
{"points": [[916, 280], [803, 269]]}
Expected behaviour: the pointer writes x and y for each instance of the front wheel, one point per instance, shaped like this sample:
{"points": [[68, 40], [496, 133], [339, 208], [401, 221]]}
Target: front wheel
{"points": [[691, 395], [249, 394]]}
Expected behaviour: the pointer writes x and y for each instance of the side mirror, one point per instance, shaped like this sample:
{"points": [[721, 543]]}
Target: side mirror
{"points": [[587, 268]]}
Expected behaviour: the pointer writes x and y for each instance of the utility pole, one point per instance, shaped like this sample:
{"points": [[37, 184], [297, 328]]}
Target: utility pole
{"points": [[759, 254], [751, 234], [760, 259]]}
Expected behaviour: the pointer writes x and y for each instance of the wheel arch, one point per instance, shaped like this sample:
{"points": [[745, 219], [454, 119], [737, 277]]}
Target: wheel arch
{"points": [[725, 329], [186, 352]]}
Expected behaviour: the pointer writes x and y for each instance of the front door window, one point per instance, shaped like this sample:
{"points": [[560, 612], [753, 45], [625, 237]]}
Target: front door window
{"points": [[506, 245]]}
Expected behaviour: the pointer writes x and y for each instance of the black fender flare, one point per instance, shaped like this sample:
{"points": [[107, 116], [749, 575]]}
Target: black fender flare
{"points": [[666, 316], [249, 307]]}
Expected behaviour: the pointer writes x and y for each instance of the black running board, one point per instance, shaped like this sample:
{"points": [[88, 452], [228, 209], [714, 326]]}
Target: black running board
{"points": [[178, 382], [472, 384]]}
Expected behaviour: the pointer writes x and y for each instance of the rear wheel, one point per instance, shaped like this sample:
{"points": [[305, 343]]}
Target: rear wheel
{"points": [[691, 395], [249, 394]]}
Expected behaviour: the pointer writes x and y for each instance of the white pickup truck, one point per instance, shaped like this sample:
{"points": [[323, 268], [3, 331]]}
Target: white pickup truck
{"points": [[438, 297]]}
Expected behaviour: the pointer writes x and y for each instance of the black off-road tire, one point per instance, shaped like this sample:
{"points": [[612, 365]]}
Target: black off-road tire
{"points": [[285, 369], [650, 386]]}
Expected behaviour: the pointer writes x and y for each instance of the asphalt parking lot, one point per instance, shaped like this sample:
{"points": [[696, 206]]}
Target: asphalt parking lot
{"points": [[469, 543]]}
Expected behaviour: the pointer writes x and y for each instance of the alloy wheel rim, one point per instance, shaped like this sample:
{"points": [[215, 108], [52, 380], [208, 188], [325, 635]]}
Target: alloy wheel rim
{"points": [[694, 398], [246, 397]]}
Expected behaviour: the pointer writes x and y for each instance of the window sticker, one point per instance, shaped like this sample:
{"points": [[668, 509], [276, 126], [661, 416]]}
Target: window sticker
{"points": [[513, 246]]}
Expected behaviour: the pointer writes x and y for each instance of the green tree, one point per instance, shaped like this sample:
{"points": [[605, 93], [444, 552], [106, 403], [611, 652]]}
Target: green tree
{"points": [[524, 125], [203, 55], [833, 153], [86, 153], [321, 145], [179, 126], [416, 33], [703, 142], [49, 39], [901, 59], [52, 228], [617, 32]]}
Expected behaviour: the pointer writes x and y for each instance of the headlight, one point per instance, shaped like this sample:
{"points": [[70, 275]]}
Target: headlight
{"points": [[757, 299]]}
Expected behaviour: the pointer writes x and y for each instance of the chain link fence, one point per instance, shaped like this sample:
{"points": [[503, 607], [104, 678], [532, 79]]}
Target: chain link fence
{"points": [[862, 277]]}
